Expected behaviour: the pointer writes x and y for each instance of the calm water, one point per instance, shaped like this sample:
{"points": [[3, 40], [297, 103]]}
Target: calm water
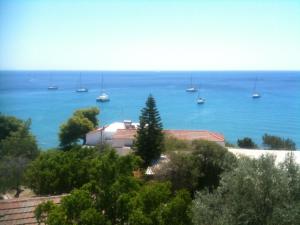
{"points": [[229, 108]]}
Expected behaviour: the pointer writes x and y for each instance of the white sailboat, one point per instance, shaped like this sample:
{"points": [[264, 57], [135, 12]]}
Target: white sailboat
{"points": [[52, 87], [81, 88], [192, 87], [103, 97], [200, 100], [255, 94]]}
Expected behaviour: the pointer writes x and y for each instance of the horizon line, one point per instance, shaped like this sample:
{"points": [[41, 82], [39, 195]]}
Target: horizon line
{"points": [[164, 70]]}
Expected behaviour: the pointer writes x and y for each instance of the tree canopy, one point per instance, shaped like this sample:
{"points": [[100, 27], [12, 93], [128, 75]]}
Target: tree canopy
{"points": [[17, 148], [198, 167], [256, 192], [9, 124], [246, 142], [149, 142], [107, 192], [275, 142], [149, 204], [57, 172], [81, 122]]}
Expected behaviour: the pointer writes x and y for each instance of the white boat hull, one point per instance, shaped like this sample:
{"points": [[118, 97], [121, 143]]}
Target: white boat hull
{"points": [[52, 88], [200, 101], [256, 95], [191, 90], [103, 98], [82, 90]]}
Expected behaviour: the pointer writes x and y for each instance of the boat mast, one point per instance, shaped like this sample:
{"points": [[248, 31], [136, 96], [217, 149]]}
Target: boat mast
{"points": [[80, 86], [101, 83], [254, 88], [51, 80]]}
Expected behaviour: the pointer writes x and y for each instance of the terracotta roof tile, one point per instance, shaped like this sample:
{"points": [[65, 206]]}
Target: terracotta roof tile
{"points": [[125, 134], [195, 134], [180, 134], [21, 211]]}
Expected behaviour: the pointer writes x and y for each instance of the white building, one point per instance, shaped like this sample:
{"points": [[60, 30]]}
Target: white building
{"points": [[107, 134], [120, 135]]}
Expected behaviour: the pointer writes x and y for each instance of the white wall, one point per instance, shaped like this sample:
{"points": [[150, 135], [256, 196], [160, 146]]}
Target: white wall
{"points": [[256, 153]]}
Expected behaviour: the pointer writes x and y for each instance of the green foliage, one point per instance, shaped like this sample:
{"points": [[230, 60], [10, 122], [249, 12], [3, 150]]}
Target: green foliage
{"points": [[56, 172], [89, 113], [274, 142], [256, 192], [154, 204], [213, 160], [182, 171], [149, 141], [77, 208], [9, 124], [230, 145], [19, 143], [115, 196], [246, 142], [174, 144], [198, 168], [176, 211], [17, 148], [82, 121], [42, 210]]}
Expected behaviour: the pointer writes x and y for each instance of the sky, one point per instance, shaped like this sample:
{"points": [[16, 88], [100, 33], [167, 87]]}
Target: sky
{"points": [[149, 35]]}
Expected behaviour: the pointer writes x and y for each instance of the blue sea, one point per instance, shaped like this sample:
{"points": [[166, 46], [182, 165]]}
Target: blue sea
{"points": [[229, 107]]}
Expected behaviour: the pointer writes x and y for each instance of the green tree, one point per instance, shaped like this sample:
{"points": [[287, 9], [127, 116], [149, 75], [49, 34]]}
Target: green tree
{"points": [[89, 113], [198, 167], [275, 142], [212, 160], [149, 141], [114, 196], [173, 144], [57, 172], [155, 205], [256, 192], [17, 148], [81, 122], [9, 124], [246, 142], [176, 211], [182, 171], [78, 208]]}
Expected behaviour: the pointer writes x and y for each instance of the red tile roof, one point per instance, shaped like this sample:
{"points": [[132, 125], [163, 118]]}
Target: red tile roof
{"points": [[21, 211], [195, 134], [180, 134], [124, 134]]}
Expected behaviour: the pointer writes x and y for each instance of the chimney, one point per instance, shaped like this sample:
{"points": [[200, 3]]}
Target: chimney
{"points": [[128, 124]]}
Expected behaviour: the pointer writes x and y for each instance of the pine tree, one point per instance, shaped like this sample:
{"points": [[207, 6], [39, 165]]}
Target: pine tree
{"points": [[149, 141]]}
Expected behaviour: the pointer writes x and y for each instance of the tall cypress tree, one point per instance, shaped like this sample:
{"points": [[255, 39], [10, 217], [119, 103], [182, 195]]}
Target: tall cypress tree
{"points": [[149, 141]]}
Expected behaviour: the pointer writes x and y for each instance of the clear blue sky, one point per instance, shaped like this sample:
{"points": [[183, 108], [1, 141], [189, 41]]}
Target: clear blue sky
{"points": [[150, 35]]}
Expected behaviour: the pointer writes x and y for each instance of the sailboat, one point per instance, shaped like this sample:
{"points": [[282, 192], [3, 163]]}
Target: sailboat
{"points": [[200, 100], [192, 87], [103, 97], [255, 94], [52, 87], [81, 88]]}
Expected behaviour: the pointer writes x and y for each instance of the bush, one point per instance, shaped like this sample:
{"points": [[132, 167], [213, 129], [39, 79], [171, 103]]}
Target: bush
{"points": [[18, 147], [199, 168], [57, 172], [174, 144], [246, 142], [275, 142], [256, 192]]}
